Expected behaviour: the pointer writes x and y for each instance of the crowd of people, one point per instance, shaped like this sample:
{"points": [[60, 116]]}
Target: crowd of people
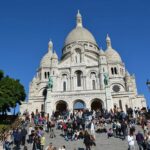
{"points": [[81, 125]]}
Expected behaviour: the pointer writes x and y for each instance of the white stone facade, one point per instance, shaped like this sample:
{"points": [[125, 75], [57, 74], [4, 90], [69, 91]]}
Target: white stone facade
{"points": [[79, 77]]}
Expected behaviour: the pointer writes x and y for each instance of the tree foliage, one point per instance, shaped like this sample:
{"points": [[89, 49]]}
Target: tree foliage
{"points": [[11, 92]]}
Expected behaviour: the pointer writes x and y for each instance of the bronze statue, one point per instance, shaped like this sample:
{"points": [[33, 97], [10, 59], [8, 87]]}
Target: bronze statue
{"points": [[50, 83], [106, 79]]}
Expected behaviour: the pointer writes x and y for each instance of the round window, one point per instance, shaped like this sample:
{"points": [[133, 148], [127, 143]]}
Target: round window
{"points": [[116, 88]]}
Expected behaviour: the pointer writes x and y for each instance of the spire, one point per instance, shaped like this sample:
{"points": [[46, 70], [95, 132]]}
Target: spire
{"points": [[78, 19], [50, 45], [108, 41]]}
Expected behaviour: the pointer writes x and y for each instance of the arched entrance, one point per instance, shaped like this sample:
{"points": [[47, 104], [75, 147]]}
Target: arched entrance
{"points": [[78, 105], [61, 106], [97, 104]]}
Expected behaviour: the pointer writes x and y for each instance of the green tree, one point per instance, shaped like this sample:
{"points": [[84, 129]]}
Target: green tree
{"points": [[11, 93]]}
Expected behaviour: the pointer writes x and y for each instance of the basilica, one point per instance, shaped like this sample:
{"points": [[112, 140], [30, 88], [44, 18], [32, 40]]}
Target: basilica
{"points": [[85, 77]]}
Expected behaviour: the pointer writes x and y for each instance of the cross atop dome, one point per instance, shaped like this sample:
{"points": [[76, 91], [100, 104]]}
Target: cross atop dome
{"points": [[78, 19]]}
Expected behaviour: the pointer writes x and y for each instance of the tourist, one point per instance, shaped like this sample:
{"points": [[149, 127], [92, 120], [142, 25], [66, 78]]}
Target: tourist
{"points": [[23, 134], [140, 140], [42, 142], [124, 129], [36, 143], [130, 139], [110, 133], [48, 126], [52, 134], [92, 128], [50, 147], [29, 133], [87, 140], [7, 141]]}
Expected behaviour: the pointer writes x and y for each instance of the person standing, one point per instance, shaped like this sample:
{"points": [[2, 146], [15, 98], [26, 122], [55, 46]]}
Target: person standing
{"points": [[23, 134], [29, 133], [92, 128], [87, 140], [140, 140], [18, 139], [124, 129], [130, 139], [42, 142]]}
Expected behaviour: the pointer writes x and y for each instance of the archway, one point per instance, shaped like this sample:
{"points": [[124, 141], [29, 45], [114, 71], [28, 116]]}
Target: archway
{"points": [[78, 105], [97, 104], [61, 106]]}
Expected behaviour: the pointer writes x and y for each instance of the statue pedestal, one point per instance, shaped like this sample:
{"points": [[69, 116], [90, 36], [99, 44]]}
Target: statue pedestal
{"points": [[48, 103], [109, 102]]}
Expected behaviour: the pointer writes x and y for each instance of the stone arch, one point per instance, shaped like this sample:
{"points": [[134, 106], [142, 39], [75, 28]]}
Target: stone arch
{"points": [[61, 106], [78, 46], [92, 71], [64, 72], [79, 104], [41, 91], [97, 104]]}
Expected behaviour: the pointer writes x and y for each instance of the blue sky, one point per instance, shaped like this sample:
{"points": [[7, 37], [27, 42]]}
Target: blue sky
{"points": [[27, 25]]}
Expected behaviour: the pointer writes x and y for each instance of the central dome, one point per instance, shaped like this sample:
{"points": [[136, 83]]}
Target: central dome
{"points": [[79, 33]]}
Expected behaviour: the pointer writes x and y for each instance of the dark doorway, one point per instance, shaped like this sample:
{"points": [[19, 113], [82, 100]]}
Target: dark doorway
{"points": [[61, 106], [96, 105], [61, 109]]}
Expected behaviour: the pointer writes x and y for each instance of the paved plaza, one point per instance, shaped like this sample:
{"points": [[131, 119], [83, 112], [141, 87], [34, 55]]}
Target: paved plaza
{"points": [[102, 142]]}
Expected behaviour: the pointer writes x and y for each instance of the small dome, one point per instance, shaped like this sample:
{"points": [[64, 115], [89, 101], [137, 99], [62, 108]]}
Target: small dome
{"points": [[54, 56], [79, 34], [45, 62], [112, 55], [101, 52]]}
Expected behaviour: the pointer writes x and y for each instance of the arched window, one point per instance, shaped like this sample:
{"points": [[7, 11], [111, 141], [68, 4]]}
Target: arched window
{"points": [[64, 86], [45, 75], [78, 73], [48, 74], [93, 84], [112, 70], [120, 104], [115, 69]]}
